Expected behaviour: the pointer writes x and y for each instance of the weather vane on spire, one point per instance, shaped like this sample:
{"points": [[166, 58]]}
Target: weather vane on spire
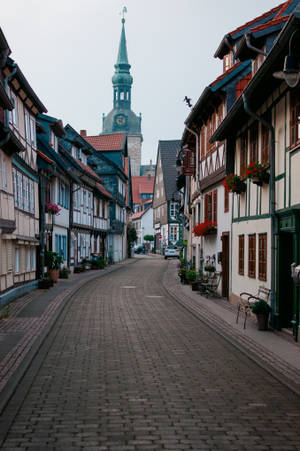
{"points": [[124, 11]]}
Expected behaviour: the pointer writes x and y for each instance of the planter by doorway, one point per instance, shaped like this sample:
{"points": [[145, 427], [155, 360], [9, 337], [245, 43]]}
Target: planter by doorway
{"points": [[262, 321], [54, 273]]}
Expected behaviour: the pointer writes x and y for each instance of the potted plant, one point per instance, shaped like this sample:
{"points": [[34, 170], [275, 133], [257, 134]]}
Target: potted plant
{"points": [[235, 184], [191, 276], [45, 283], [53, 209], [209, 268], [257, 173], [262, 311], [205, 228], [52, 261], [64, 273], [182, 275]]}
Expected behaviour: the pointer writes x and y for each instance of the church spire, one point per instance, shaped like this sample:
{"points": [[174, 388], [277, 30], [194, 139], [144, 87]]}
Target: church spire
{"points": [[122, 80]]}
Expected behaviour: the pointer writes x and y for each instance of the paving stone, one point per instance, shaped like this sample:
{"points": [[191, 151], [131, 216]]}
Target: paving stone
{"points": [[126, 372]]}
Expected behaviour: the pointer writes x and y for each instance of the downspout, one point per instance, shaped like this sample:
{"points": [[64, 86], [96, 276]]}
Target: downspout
{"points": [[6, 119], [272, 199], [251, 47]]}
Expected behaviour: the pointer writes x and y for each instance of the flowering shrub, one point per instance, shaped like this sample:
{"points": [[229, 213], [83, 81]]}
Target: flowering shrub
{"points": [[203, 228], [53, 209], [234, 183], [255, 170]]}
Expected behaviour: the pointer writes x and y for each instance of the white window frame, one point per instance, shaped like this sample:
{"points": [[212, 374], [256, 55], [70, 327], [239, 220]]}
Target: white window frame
{"points": [[173, 206], [3, 172], [14, 113], [17, 260], [32, 132], [33, 259], [28, 259]]}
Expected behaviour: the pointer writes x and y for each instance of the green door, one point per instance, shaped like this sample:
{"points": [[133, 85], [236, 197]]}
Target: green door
{"points": [[285, 283]]}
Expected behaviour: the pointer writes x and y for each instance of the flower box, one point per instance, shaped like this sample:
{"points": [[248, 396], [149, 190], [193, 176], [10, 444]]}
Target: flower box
{"points": [[257, 173], [52, 209], [205, 228], [235, 184]]}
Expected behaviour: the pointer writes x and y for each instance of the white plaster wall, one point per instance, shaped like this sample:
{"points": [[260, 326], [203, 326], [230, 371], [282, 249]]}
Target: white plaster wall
{"points": [[147, 224], [245, 283]]}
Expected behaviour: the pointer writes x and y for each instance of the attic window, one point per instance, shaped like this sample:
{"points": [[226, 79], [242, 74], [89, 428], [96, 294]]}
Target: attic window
{"points": [[227, 61]]}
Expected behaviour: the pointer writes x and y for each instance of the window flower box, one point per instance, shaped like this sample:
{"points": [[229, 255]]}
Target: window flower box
{"points": [[205, 228], [52, 209], [257, 173], [235, 184]]}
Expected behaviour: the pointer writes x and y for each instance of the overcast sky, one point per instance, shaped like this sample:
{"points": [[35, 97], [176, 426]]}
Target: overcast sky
{"points": [[67, 50]]}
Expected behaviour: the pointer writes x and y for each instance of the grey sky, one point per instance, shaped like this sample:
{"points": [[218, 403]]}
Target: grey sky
{"points": [[67, 50]]}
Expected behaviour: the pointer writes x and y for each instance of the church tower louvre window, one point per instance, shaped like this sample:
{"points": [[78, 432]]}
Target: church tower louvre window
{"points": [[121, 119]]}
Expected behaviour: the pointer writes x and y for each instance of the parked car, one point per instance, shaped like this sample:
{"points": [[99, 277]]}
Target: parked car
{"points": [[140, 250], [172, 251]]}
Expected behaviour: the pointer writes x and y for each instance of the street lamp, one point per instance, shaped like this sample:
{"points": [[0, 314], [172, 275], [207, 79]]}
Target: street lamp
{"points": [[291, 69]]}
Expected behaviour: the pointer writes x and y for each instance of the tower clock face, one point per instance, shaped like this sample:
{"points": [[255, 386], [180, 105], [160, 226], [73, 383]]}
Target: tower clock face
{"points": [[120, 119]]}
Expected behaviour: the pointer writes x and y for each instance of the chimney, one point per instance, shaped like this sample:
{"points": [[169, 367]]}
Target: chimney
{"points": [[83, 133]]}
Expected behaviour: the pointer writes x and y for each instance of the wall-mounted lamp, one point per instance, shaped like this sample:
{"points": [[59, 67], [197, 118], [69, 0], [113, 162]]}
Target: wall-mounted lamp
{"points": [[291, 69]]}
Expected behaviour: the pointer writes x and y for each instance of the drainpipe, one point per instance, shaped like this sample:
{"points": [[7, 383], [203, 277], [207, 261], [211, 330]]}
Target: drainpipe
{"points": [[6, 120], [251, 47], [272, 199]]}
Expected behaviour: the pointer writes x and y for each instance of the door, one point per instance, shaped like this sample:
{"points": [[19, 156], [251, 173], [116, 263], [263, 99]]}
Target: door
{"points": [[225, 264], [285, 283]]}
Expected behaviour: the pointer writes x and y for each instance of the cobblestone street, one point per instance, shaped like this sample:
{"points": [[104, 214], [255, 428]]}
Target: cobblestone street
{"points": [[127, 368]]}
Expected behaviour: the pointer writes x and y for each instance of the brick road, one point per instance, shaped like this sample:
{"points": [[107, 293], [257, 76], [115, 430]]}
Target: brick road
{"points": [[127, 368]]}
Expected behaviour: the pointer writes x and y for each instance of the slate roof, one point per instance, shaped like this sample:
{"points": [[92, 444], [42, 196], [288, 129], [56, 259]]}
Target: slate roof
{"points": [[168, 154], [109, 142], [141, 185]]}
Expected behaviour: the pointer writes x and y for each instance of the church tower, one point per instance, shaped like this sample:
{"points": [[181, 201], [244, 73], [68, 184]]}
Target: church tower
{"points": [[121, 118]]}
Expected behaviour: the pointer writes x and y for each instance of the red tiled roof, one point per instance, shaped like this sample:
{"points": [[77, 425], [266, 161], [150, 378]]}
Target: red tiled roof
{"points": [[225, 74], [42, 155], [88, 169], [103, 190], [141, 185], [277, 8], [139, 214], [270, 24], [283, 8], [113, 141]]}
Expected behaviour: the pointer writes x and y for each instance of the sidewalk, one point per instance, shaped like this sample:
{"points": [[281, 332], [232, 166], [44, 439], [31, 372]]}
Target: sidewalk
{"points": [[276, 353], [31, 318]]}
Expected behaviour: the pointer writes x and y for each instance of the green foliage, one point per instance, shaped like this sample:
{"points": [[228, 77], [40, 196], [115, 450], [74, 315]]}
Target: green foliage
{"points": [[99, 263], [191, 274], [5, 311], [149, 238], [131, 238], [209, 268], [261, 306], [64, 273], [52, 260]]}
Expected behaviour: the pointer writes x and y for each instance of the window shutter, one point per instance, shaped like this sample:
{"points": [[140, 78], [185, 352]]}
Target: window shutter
{"points": [[226, 200], [252, 256], [262, 257], [254, 143], [206, 207], [243, 152], [215, 206], [241, 254], [189, 163]]}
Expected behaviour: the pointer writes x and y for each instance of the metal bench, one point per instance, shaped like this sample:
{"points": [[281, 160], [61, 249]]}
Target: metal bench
{"points": [[248, 299]]}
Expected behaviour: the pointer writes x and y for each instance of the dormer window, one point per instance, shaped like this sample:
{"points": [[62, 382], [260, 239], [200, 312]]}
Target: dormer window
{"points": [[227, 61], [83, 158], [53, 141], [14, 116], [30, 129], [257, 62]]}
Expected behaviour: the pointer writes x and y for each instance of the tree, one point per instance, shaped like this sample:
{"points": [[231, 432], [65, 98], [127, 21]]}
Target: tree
{"points": [[131, 238], [149, 238]]}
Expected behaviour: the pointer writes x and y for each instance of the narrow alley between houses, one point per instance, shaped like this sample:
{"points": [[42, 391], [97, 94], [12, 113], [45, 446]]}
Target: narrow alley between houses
{"points": [[127, 367]]}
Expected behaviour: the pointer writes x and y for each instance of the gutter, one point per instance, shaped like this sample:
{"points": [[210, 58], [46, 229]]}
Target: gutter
{"points": [[272, 200], [251, 47]]}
